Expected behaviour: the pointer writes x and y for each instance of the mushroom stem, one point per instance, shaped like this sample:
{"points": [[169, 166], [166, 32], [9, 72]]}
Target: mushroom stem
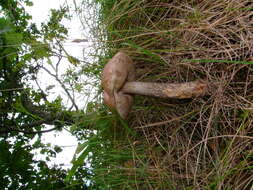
{"points": [[167, 90]]}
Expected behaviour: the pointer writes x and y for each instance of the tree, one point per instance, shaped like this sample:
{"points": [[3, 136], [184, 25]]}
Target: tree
{"points": [[25, 111]]}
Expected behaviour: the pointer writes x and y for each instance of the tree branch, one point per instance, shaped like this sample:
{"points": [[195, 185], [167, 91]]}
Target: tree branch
{"points": [[28, 128], [47, 117], [54, 117], [26, 132], [63, 86]]}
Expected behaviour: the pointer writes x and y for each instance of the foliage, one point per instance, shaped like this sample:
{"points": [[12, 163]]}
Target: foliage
{"points": [[24, 110], [19, 170]]}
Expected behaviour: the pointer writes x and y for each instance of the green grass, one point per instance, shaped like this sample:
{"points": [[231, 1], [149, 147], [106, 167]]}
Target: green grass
{"points": [[204, 143]]}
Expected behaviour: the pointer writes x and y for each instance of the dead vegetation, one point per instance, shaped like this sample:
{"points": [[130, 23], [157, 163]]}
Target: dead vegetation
{"points": [[201, 143]]}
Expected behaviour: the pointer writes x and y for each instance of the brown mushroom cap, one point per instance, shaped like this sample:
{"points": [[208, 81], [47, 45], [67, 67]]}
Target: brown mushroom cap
{"points": [[116, 73]]}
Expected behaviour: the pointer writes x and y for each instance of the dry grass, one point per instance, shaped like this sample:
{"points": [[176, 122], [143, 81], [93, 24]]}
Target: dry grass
{"points": [[204, 143]]}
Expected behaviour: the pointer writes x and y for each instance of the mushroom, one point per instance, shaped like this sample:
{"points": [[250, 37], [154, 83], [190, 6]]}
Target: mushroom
{"points": [[118, 83]]}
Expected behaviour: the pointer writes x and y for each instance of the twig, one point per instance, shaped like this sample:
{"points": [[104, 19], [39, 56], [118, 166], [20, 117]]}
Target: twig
{"points": [[63, 86], [28, 132], [210, 138]]}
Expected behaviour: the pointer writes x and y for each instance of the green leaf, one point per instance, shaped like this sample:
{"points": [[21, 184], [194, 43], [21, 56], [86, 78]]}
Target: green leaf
{"points": [[14, 39], [57, 149]]}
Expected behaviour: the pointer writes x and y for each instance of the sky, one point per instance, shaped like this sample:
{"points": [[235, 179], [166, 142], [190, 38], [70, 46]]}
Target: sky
{"points": [[40, 12]]}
